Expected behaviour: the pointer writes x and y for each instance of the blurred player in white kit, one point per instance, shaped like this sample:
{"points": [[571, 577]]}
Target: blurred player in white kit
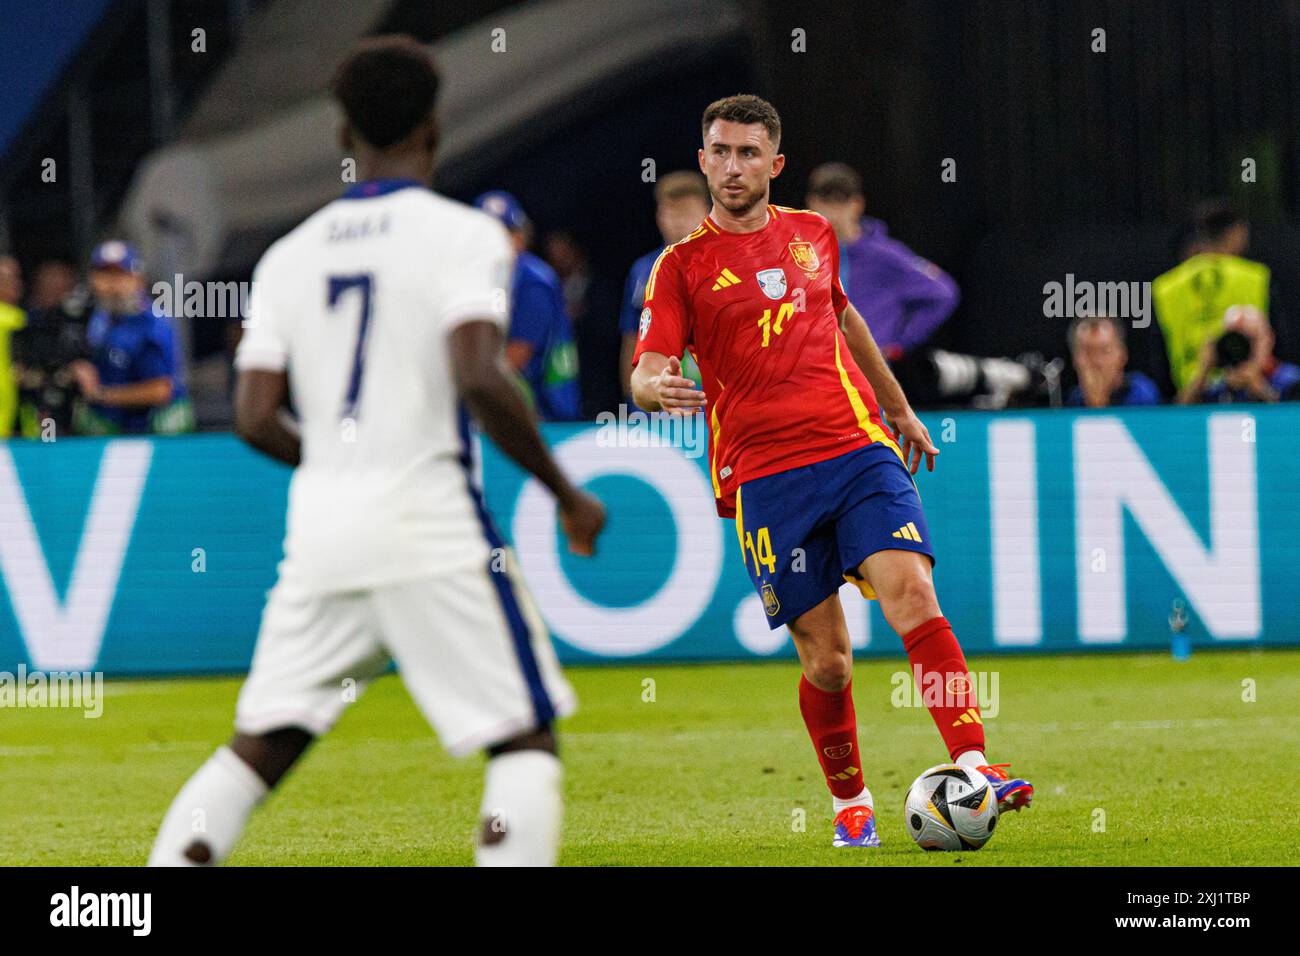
{"points": [[383, 316]]}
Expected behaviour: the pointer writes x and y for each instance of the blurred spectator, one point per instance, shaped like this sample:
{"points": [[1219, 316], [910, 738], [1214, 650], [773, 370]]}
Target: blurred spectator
{"points": [[1192, 298], [1239, 365], [52, 282], [11, 281], [592, 303], [12, 318], [682, 201], [132, 382], [1100, 357], [903, 297], [569, 261], [540, 344], [44, 353]]}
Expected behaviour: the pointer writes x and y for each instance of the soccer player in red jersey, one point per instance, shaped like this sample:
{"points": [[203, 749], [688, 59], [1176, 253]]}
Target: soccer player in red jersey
{"points": [[822, 492]]}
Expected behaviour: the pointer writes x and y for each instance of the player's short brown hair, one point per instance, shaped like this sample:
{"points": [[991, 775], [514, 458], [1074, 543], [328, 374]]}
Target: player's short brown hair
{"points": [[387, 87], [683, 184], [745, 108], [835, 182]]}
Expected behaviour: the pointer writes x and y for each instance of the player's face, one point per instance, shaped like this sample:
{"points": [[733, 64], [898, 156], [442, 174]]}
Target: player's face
{"points": [[677, 217], [740, 161]]}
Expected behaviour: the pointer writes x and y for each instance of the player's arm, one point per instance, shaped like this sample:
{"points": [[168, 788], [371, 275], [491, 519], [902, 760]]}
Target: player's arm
{"points": [[262, 362], [658, 386], [486, 385], [259, 395], [656, 381], [915, 438]]}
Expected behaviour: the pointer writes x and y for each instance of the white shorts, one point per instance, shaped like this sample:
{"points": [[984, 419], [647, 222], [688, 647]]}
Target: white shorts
{"points": [[471, 648]]}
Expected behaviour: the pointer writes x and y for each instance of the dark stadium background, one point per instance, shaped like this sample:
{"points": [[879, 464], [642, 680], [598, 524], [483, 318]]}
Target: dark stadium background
{"points": [[1067, 160]]}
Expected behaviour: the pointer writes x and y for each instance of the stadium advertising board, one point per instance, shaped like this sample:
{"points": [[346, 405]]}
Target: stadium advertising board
{"points": [[1054, 531]]}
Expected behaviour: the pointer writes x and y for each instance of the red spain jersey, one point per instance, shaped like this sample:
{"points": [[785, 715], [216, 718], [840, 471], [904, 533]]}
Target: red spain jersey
{"points": [[759, 313]]}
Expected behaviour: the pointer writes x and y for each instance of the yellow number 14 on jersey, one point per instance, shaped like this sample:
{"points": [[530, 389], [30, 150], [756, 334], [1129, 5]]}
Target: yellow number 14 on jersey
{"points": [[771, 328]]}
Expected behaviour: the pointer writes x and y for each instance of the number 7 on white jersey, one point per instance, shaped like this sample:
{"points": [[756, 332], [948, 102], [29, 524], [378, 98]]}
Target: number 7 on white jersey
{"points": [[337, 286]]}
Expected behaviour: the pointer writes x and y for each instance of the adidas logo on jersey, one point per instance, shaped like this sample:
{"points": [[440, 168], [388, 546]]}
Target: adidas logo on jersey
{"points": [[909, 532], [728, 278]]}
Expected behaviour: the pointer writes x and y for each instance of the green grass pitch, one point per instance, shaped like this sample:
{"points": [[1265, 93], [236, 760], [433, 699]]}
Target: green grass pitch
{"points": [[1136, 759]]}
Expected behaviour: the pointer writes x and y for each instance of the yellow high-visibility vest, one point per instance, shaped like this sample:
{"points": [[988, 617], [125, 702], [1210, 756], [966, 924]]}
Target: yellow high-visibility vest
{"points": [[12, 319], [1191, 298]]}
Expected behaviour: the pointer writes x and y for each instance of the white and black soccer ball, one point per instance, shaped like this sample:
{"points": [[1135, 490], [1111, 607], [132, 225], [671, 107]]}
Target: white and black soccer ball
{"points": [[951, 807]]}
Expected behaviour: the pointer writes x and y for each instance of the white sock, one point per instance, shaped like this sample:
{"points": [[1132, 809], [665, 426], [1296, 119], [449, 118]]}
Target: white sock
{"points": [[861, 800], [211, 809], [972, 759], [521, 810]]}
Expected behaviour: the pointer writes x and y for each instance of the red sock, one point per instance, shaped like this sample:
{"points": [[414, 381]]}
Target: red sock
{"points": [[950, 694], [833, 728]]}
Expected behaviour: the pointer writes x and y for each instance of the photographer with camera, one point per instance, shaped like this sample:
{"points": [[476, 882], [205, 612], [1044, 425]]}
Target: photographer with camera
{"points": [[44, 353], [1239, 365], [1191, 299]]}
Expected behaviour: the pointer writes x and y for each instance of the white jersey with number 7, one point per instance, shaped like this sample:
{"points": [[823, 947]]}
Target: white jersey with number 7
{"points": [[356, 303]]}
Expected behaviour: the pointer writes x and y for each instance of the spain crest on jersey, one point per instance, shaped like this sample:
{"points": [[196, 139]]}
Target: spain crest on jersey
{"points": [[805, 255], [772, 282], [770, 604]]}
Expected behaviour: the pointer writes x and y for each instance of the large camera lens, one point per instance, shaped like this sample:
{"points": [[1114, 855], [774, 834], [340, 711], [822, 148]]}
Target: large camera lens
{"points": [[1231, 350]]}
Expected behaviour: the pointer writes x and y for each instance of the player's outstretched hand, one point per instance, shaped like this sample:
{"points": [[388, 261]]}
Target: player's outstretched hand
{"points": [[915, 440], [677, 395], [582, 517]]}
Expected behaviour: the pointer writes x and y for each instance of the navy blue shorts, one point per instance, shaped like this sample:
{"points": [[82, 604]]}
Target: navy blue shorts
{"points": [[803, 532]]}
